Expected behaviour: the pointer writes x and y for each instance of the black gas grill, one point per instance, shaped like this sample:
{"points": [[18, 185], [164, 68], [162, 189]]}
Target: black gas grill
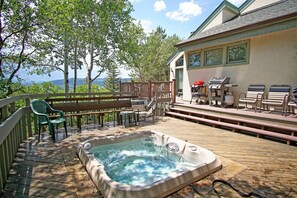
{"points": [[218, 89]]}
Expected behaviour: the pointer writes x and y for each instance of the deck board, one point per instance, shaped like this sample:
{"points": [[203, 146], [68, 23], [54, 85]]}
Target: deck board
{"points": [[249, 163]]}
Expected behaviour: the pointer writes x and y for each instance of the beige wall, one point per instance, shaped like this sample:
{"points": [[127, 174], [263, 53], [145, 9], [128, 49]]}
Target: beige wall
{"points": [[273, 60], [257, 4], [223, 16]]}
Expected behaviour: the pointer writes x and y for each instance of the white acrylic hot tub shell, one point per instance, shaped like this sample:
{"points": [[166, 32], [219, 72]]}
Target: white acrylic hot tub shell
{"points": [[208, 163]]}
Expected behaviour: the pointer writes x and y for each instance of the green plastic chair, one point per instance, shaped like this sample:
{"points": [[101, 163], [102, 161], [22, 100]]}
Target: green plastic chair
{"points": [[42, 109]]}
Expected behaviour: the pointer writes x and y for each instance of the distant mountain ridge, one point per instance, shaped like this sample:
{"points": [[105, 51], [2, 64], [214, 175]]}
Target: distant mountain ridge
{"points": [[82, 81]]}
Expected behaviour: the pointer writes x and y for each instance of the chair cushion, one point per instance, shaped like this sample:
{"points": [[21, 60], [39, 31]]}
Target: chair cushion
{"points": [[257, 88], [280, 88]]}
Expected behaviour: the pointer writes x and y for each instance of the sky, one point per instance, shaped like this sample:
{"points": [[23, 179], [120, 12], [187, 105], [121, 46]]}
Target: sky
{"points": [[180, 17]]}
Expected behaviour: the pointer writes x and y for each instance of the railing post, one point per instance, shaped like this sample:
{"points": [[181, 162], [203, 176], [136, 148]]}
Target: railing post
{"points": [[173, 91], [121, 86], [29, 119], [150, 90], [4, 111]]}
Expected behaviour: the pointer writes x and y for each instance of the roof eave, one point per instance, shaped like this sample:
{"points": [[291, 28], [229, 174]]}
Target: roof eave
{"points": [[237, 30], [224, 4]]}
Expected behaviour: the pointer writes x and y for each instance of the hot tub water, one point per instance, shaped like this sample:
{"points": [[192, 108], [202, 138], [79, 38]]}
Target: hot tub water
{"points": [[144, 164], [139, 162]]}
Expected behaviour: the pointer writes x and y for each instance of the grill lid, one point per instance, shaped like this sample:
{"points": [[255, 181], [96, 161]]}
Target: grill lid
{"points": [[219, 80]]}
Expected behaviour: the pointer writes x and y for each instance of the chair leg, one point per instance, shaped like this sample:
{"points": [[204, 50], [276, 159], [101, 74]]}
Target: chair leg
{"points": [[39, 128], [52, 131], [65, 128]]}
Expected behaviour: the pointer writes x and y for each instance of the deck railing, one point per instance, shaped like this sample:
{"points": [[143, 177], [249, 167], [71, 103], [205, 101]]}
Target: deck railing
{"points": [[164, 91], [17, 123]]}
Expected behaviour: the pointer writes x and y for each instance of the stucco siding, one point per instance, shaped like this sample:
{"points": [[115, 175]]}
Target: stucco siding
{"points": [[257, 4], [216, 21], [273, 60]]}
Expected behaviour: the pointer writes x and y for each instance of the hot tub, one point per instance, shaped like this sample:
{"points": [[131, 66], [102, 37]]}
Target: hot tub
{"points": [[144, 164]]}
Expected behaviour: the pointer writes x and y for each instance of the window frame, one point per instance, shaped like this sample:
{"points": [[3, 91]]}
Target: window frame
{"points": [[224, 55], [214, 49], [200, 59], [237, 62], [181, 57]]}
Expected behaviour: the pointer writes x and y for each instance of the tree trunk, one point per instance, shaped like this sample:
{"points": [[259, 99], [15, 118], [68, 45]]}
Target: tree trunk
{"points": [[75, 65], [90, 69], [66, 72]]}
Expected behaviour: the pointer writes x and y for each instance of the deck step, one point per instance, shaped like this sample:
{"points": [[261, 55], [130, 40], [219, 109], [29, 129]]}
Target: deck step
{"points": [[280, 132]]}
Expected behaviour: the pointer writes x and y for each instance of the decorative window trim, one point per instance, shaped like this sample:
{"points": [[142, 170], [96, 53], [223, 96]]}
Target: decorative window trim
{"points": [[200, 59], [236, 62], [224, 56], [176, 62], [220, 50]]}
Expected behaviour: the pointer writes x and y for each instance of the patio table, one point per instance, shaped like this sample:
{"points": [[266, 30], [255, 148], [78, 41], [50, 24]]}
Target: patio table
{"points": [[125, 117]]}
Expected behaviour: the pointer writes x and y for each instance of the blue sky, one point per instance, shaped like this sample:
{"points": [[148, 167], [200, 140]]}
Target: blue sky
{"points": [[179, 17]]}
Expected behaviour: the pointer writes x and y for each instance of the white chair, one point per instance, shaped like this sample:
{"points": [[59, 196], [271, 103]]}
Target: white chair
{"points": [[278, 96], [253, 96], [292, 104], [148, 112]]}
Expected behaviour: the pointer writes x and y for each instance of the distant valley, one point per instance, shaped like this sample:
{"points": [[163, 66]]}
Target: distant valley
{"points": [[81, 81]]}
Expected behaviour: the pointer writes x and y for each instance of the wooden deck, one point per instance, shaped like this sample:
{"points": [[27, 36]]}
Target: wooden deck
{"points": [[47, 169]]}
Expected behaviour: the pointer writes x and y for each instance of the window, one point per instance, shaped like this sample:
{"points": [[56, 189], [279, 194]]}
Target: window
{"points": [[214, 57], [195, 59], [180, 61], [231, 54], [237, 54]]}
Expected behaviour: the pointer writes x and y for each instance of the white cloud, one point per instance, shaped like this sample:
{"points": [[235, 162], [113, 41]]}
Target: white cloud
{"points": [[237, 2], [159, 6], [186, 11], [146, 25]]}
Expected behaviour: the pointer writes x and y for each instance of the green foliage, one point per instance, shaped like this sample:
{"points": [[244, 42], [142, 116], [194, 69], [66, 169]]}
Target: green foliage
{"points": [[84, 88], [153, 52], [112, 81], [44, 88], [47, 35]]}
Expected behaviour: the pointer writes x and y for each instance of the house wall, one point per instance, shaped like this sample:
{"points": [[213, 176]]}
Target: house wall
{"points": [[222, 17], [172, 65], [257, 4], [273, 60]]}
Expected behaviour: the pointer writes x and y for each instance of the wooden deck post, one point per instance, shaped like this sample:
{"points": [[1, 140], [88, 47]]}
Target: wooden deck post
{"points": [[150, 90], [173, 90]]}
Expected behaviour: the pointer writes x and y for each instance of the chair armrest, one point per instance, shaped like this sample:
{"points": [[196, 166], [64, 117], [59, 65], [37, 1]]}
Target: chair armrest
{"points": [[43, 115], [286, 98], [51, 110], [293, 99], [260, 96], [244, 94]]}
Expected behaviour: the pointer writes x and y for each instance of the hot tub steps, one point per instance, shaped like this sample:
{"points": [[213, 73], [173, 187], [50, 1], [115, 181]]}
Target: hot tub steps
{"points": [[236, 124]]}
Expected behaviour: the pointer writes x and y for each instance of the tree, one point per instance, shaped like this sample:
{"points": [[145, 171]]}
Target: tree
{"points": [[112, 81], [18, 22], [106, 35], [150, 64]]}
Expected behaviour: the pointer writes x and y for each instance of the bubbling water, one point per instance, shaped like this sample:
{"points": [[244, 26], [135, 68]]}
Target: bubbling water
{"points": [[139, 162]]}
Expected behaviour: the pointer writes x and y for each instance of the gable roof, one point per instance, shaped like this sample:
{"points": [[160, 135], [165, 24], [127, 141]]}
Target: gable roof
{"points": [[245, 5], [224, 5], [272, 13]]}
